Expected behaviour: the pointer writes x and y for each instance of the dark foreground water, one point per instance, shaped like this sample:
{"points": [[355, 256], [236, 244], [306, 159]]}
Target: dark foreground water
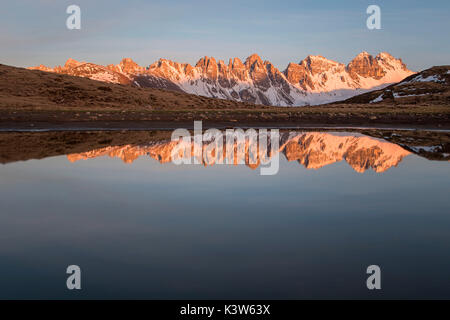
{"points": [[139, 228]]}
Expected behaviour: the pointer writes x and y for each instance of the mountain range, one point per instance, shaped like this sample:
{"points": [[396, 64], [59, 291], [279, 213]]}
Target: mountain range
{"points": [[314, 80]]}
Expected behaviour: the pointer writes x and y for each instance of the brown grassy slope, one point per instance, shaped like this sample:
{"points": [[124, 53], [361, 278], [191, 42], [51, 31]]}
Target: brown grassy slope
{"points": [[410, 92]]}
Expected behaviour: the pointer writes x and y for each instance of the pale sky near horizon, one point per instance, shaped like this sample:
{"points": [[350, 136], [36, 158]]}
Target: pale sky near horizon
{"points": [[34, 32]]}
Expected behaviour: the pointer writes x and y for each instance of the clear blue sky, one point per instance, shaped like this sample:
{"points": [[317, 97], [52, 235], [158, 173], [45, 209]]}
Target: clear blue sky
{"points": [[34, 31]]}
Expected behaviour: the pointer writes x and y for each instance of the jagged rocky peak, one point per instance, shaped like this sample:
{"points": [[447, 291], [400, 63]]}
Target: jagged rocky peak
{"points": [[71, 63], [297, 75], [390, 62], [127, 65], [188, 69], [277, 78], [303, 73], [162, 63], [206, 62], [318, 64], [253, 61], [271, 69], [385, 56], [127, 61], [42, 68], [156, 64], [365, 65], [222, 64], [258, 73], [363, 54], [223, 69], [235, 63], [237, 68], [168, 69], [208, 66]]}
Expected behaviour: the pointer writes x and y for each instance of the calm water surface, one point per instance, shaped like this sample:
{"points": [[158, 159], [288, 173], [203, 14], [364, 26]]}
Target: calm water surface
{"points": [[139, 228]]}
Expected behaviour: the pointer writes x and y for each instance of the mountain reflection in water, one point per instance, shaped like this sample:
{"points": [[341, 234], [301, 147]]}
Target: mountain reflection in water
{"points": [[376, 149], [313, 150]]}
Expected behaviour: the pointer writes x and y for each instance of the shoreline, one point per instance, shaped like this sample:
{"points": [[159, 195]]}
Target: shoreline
{"points": [[43, 126]]}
